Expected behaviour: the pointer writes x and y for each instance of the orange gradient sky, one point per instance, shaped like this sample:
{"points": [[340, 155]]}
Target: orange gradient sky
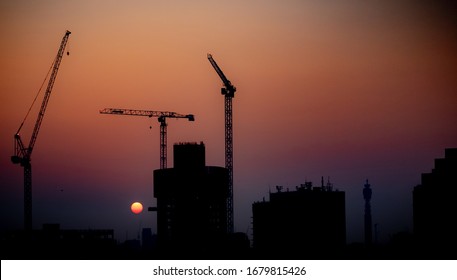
{"points": [[343, 89]]}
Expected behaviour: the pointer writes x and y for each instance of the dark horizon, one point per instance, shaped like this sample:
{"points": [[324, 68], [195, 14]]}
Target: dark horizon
{"points": [[348, 91], [306, 223]]}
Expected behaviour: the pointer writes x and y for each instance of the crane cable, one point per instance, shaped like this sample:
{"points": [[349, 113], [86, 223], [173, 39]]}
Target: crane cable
{"points": [[38, 93]]}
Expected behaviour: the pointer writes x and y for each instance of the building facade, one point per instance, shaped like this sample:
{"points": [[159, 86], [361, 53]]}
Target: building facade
{"points": [[191, 202], [435, 208], [309, 222]]}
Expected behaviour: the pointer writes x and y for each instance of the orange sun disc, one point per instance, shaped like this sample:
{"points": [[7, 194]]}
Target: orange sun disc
{"points": [[136, 207]]}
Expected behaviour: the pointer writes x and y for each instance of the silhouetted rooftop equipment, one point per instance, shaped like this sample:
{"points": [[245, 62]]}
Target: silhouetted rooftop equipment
{"points": [[309, 221]]}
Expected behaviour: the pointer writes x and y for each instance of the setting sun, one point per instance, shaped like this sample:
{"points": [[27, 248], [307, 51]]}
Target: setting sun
{"points": [[136, 207]]}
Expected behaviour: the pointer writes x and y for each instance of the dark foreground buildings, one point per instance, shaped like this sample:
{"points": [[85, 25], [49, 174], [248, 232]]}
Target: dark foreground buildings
{"points": [[52, 242], [309, 222], [191, 222], [192, 207], [304, 223], [435, 209]]}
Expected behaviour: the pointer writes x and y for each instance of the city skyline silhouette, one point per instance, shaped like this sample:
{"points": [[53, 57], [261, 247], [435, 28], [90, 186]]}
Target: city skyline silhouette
{"points": [[347, 91], [308, 222]]}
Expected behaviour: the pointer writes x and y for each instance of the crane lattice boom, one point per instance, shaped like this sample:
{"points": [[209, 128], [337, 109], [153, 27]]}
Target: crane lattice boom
{"points": [[22, 155], [229, 92], [146, 113], [229, 89]]}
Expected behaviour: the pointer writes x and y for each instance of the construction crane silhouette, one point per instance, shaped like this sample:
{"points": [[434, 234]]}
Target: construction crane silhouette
{"points": [[22, 155], [161, 117], [229, 92]]}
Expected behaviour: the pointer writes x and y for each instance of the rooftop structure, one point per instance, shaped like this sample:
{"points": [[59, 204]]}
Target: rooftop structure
{"points": [[307, 222]]}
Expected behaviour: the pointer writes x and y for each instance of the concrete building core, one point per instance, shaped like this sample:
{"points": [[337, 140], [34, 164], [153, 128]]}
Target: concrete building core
{"points": [[191, 201]]}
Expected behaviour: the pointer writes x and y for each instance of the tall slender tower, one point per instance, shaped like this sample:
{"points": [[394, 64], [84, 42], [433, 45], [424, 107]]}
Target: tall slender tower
{"points": [[368, 223]]}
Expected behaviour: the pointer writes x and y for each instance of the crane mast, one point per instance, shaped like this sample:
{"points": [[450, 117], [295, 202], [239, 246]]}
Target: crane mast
{"points": [[22, 155], [161, 117], [229, 92]]}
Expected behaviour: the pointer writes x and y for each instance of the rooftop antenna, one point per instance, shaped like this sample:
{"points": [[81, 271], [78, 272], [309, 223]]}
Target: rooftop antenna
{"points": [[329, 185]]}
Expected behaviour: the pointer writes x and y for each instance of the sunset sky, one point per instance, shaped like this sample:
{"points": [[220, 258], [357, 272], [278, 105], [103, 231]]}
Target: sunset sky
{"points": [[350, 90]]}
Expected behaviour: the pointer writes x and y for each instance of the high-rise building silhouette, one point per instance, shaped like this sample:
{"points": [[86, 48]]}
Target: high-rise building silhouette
{"points": [[191, 202], [309, 222], [367, 218], [435, 208]]}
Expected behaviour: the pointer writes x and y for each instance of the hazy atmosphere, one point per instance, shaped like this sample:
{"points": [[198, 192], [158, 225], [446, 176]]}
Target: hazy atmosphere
{"points": [[347, 90]]}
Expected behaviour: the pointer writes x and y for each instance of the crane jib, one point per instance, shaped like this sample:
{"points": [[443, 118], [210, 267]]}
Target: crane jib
{"points": [[229, 92], [161, 117]]}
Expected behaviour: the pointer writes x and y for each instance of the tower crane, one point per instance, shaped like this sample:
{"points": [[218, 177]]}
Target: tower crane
{"points": [[229, 92], [22, 154], [161, 117]]}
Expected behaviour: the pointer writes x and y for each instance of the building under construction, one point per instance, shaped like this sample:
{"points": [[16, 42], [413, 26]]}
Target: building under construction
{"points": [[191, 203], [309, 222], [435, 210]]}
